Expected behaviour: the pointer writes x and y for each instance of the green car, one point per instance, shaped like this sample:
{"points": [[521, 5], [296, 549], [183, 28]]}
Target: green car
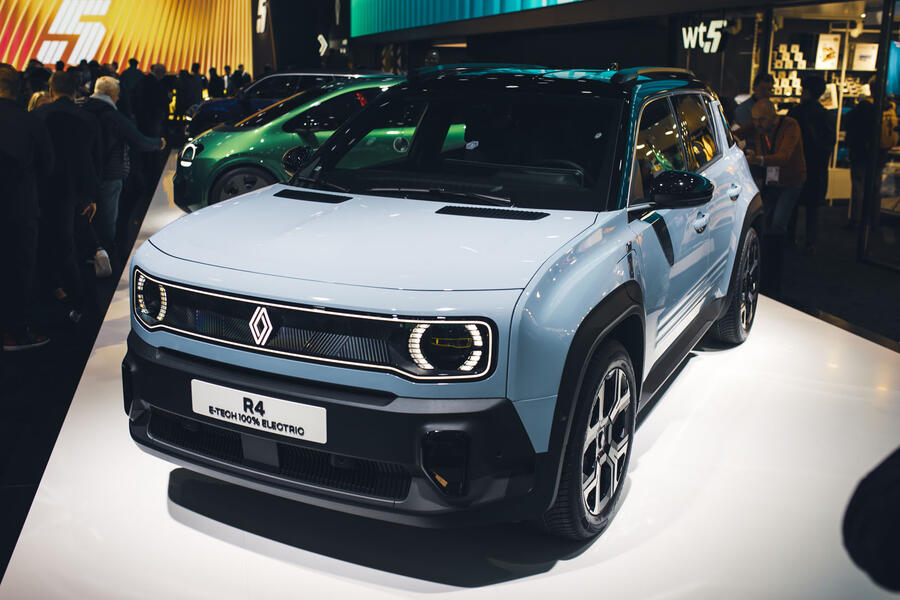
{"points": [[230, 160]]}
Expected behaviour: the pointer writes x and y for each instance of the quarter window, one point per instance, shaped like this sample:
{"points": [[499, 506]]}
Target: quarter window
{"points": [[697, 129], [658, 147]]}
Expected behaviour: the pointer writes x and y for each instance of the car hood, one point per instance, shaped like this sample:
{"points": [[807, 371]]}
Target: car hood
{"points": [[373, 241]]}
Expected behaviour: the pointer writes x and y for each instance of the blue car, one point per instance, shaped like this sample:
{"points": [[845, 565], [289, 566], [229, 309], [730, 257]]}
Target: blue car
{"points": [[458, 323]]}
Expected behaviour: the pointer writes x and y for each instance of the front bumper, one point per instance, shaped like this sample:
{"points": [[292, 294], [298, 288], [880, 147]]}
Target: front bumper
{"points": [[374, 463], [187, 193]]}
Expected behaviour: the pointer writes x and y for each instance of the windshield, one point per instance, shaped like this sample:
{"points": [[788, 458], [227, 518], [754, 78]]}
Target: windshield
{"points": [[270, 113], [497, 146]]}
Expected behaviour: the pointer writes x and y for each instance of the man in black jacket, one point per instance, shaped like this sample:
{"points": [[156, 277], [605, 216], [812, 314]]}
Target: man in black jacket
{"points": [[118, 134], [70, 192], [817, 127], [27, 156]]}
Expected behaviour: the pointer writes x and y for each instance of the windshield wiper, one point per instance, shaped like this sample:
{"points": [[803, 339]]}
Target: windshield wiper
{"points": [[320, 183], [473, 197]]}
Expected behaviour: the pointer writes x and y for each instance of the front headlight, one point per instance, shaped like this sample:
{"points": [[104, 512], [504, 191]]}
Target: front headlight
{"points": [[150, 299], [190, 152], [451, 349]]}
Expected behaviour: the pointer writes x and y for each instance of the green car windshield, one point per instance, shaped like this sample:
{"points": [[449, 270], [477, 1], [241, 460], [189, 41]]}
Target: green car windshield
{"points": [[270, 113], [526, 149]]}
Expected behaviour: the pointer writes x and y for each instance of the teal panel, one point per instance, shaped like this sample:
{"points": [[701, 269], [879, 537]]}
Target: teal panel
{"points": [[376, 16]]}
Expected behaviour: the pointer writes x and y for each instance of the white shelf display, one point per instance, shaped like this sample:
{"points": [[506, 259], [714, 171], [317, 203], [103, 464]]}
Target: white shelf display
{"points": [[828, 51]]}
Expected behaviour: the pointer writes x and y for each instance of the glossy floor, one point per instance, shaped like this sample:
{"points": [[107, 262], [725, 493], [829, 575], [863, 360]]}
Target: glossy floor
{"points": [[738, 486]]}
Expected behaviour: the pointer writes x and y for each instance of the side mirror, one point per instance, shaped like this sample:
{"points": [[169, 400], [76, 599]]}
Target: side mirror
{"points": [[679, 189], [294, 158]]}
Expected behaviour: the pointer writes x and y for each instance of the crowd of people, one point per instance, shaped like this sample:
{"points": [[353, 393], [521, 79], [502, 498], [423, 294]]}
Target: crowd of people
{"points": [[789, 157], [75, 140]]}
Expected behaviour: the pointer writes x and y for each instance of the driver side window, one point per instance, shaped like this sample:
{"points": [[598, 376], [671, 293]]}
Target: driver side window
{"points": [[658, 147]]}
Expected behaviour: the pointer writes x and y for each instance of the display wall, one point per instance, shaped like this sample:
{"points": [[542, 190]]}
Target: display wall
{"points": [[175, 33], [375, 16]]}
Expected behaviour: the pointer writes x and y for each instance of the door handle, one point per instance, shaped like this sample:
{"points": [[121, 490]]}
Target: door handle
{"points": [[701, 222], [734, 191]]}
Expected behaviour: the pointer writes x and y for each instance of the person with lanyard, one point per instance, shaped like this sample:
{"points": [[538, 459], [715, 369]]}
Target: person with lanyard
{"points": [[778, 152]]}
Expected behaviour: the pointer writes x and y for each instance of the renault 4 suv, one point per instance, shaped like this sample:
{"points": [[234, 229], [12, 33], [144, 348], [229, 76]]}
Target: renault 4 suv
{"points": [[462, 329], [230, 160]]}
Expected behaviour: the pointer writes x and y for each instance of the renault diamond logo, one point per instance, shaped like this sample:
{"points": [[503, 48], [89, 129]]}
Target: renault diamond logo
{"points": [[260, 326]]}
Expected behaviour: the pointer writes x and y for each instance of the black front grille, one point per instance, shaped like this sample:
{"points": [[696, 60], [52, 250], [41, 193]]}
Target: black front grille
{"points": [[315, 467], [196, 437], [366, 477]]}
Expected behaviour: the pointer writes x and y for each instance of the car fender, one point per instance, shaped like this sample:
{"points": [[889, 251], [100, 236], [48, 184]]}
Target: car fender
{"points": [[552, 308]]}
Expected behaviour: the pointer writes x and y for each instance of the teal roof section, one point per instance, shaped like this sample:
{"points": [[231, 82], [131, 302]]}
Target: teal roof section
{"points": [[368, 17]]}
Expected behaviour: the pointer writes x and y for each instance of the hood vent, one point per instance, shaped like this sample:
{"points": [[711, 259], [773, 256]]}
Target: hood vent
{"points": [[492, 213], [299, 194]]}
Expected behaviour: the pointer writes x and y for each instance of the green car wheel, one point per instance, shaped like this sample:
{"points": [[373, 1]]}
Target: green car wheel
{"points": [[239, 181]]}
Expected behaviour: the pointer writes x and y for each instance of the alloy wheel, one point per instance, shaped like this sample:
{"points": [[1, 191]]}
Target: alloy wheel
{"points": [[750, 284], [606, 441], [241, 184]]}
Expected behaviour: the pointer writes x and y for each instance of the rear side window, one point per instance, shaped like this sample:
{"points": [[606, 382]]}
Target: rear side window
{"points": [[697, 129], [658, 147]]}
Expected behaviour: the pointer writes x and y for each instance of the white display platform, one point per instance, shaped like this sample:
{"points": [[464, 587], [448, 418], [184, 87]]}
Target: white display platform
{"points": [[737, 489]]}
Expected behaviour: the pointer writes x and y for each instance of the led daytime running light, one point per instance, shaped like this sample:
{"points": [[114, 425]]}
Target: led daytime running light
{"points": [[415, 346], [142, 303]]}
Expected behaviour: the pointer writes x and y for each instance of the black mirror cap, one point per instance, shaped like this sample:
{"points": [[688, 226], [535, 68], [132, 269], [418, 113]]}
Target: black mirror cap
{"points": [[294, 158], [676, 189]]}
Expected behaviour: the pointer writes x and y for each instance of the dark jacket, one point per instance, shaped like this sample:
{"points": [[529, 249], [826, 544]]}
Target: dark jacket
{"points": [[118, 134], [76, 138], [858, 124], [817, 127], [25, 141], [152, 104], [216, 87], [129, 82]]}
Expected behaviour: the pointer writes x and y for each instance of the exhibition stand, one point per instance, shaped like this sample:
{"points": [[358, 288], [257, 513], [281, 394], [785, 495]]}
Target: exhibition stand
{"points": [[737, 489]]}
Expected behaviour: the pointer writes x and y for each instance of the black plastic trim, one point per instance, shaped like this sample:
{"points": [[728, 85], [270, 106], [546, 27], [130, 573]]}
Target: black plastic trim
{"points": [[492, 213], [312, 196]]}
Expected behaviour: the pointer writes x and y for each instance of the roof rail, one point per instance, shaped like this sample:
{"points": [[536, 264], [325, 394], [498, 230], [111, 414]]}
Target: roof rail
{"points": [[422, 72], [626, 75]]}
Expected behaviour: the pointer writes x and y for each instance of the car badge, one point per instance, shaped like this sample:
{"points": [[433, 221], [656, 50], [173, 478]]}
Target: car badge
{"points": [[260, 326]]}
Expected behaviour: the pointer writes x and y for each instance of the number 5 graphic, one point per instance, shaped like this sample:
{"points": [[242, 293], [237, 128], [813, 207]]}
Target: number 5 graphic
{"points": [[68, 22]]}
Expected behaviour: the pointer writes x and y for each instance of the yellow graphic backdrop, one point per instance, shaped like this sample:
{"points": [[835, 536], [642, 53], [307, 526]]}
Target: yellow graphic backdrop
{"points": [[175, 33]]}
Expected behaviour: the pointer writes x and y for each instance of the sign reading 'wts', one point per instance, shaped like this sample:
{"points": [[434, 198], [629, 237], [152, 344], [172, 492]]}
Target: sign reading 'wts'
{"points": [[707, 37]]}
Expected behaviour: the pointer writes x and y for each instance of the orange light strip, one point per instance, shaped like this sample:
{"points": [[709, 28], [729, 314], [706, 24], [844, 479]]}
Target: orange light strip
{"points": [[176, 33]]}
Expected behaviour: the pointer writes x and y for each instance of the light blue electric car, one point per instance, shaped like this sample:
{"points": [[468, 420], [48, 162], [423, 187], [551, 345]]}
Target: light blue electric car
{"points": [[461, 323]]}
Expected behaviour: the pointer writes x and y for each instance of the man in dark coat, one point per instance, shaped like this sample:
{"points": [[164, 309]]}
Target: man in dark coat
{"points": [[27, 156], [817, 128], [71, 191], [129, 82], [153, 102], [216, 84], [118, 134]]}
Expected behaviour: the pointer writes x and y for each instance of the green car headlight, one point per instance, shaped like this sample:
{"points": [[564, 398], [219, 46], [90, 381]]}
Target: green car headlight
{"points": [[450, 348], [150, 302], [189, 153]]}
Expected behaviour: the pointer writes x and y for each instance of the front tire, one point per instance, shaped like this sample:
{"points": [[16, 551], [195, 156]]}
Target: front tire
{"points": [[734, 326], [599, 449], [239, 181]]}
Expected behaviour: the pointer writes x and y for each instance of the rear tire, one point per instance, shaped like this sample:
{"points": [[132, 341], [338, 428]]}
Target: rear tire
{"points": [[599, 448], [239, 181], [734, 326]]}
